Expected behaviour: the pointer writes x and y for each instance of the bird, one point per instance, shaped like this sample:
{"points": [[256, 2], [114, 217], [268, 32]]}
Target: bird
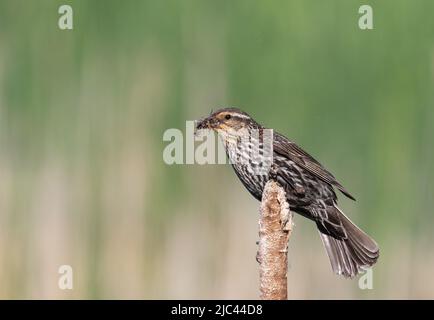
{"points": [[309, 187]]}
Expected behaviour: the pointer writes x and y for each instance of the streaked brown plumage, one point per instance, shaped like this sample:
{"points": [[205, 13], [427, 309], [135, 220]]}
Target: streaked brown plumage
{"points": [[308, 185]]}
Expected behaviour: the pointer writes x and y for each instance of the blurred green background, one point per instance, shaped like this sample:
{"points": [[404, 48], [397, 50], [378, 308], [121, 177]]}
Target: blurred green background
{"points": [[83, 112]]}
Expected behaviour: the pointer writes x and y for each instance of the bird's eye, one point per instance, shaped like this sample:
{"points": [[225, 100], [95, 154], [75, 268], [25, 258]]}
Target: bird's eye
{"points": [[227, 117]]}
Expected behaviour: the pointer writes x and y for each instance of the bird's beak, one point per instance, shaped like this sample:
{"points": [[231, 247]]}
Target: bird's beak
{"points": [[207, 123]]}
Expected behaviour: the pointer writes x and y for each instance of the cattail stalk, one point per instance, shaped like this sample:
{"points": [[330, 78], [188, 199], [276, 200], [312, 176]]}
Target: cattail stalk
{"points": [[275, 227]]}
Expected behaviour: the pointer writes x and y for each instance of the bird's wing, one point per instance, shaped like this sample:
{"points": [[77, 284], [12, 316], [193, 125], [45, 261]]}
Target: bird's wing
{"points": [[289, 149]]}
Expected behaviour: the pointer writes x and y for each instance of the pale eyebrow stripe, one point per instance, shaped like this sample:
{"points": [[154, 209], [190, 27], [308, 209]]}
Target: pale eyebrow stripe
{"points": [[240, 116]]}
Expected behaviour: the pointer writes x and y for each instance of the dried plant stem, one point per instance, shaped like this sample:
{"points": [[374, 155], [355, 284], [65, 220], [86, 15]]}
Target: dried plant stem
{"points": [[275, 227]]}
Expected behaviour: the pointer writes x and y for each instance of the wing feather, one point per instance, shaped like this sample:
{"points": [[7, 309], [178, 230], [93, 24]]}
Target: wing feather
{"points": [[289, 149]]}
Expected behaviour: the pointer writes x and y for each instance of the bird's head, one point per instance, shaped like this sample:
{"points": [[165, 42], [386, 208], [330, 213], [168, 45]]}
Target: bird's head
{"points": [[228, 122]]}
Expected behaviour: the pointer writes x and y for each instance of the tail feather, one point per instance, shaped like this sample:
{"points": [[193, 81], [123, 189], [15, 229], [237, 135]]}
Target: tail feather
{"points": [[351, 254]]}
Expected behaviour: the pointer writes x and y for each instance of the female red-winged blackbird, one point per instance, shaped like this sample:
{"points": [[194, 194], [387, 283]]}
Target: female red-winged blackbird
{"points": [[308, 186]]}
